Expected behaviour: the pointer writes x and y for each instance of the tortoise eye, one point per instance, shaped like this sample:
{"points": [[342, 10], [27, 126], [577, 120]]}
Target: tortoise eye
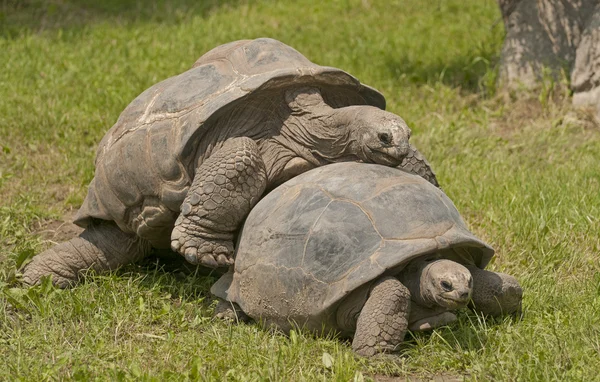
{"points": [[385, 138], [447, 286]]}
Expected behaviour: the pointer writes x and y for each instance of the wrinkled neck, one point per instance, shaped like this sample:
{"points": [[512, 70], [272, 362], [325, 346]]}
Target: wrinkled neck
{"points": [[320, 135], [414, 278], [275, 156]]}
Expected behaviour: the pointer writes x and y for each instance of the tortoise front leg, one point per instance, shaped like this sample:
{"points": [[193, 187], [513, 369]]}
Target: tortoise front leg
{"points": [[422, 318], [415, 163], [495, 293], [225, 187], [383, 320]]}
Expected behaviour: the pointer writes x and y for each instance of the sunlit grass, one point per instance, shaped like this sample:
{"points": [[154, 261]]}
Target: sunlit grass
{"points": [[522, 169]]}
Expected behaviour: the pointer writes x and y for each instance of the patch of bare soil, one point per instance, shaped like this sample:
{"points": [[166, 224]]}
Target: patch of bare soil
{"points": [[528, 109], [57, 231], [517, 114], [582, 118]]}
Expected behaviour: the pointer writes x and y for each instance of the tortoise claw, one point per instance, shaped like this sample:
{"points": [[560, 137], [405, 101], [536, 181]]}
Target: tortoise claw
{"points": [[192, 259], [209, 261], [224, 261]]}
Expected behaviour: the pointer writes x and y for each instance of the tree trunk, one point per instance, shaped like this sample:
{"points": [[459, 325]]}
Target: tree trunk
{"points": [[553, 34], [585, 77]]}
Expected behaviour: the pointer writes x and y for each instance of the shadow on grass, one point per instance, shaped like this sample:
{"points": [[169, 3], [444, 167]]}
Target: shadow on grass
{"points": [[18, 17], [172, 274]]}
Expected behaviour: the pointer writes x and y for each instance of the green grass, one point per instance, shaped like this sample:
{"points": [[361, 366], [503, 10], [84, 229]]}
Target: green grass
{"points": [[524, 170]]}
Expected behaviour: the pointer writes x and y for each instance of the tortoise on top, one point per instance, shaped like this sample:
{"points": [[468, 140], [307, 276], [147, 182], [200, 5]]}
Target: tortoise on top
{"points": [[189, 157], [368, 259]]}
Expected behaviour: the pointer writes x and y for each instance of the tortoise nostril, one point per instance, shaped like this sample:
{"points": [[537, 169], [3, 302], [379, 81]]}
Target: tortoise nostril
{"points": [[464, 295], [385, 138]]}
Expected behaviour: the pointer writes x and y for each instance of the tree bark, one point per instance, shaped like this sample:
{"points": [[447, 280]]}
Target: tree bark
{"points": [[585, 77], [553, 34]]}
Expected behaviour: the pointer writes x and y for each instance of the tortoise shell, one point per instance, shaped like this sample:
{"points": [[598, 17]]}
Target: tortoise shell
{"points": [[323, 234], [146, 161]]}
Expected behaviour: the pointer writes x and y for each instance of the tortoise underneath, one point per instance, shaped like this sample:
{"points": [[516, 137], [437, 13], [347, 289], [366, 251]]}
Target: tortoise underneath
{"points": [[363, 250]]}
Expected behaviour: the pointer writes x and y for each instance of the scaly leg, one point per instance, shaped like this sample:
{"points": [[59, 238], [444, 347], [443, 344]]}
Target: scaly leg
{"points": [[226, 186], [101, 247], [383, 320], [494, 293], [230, 311], [422, 318], [415, 163]]}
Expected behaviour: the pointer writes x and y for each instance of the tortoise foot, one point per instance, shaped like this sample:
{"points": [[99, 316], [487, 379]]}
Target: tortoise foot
{"points": [[383, 320], [432, 322], [199, 251], [495, 294]]}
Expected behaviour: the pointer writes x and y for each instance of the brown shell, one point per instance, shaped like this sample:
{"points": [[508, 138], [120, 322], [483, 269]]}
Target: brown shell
{"points": [[321, 235], [145, 161]]}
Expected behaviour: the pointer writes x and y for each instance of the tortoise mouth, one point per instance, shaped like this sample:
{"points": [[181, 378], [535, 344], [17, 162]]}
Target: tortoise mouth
{"points": [[452, 302], [389, 156]]}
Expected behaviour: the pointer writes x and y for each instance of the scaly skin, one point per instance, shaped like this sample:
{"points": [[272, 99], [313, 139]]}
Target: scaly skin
{"points": [[415, 163], [99, 248], [225, 188], [383, 321], [495, 294], [230, 311]]}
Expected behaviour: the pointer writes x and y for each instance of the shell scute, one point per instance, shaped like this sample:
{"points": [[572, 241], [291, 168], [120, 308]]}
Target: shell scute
{"points": [[290, 228], [423, 215], [192, 89], [341, 237]]}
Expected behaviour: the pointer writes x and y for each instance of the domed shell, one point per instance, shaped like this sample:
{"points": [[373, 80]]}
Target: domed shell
{"points": [[146, 160], [321, 235]]}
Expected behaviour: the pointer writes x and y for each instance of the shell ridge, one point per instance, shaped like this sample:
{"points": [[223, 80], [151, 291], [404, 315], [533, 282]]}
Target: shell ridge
{"points": [[385, 188], [149, 118], [371, 219], [420, 238], [310, 231]]}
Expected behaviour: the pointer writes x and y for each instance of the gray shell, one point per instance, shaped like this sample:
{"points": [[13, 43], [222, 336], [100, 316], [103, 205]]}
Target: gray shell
{"points": [[146, 162], [321, 235]]}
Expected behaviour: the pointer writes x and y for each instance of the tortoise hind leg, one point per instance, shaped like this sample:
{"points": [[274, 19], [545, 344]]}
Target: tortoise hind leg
{"points": [[230, 311], [100, 247], [225, 187], [383, 320]]}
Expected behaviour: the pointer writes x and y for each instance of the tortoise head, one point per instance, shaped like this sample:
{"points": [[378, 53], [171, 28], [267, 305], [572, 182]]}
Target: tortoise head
{"points": [[377, 136], [438, 283], [361, 132]]}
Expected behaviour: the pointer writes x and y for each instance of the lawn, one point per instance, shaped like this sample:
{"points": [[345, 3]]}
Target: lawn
{"points": [[522, 167]]}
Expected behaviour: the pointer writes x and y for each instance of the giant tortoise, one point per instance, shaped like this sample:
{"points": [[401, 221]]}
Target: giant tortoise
{"points": [[189, 157], [363, 250]]}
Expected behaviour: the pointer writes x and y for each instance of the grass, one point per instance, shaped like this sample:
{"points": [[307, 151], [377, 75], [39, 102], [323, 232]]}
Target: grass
{"points": [[523, 169]]}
